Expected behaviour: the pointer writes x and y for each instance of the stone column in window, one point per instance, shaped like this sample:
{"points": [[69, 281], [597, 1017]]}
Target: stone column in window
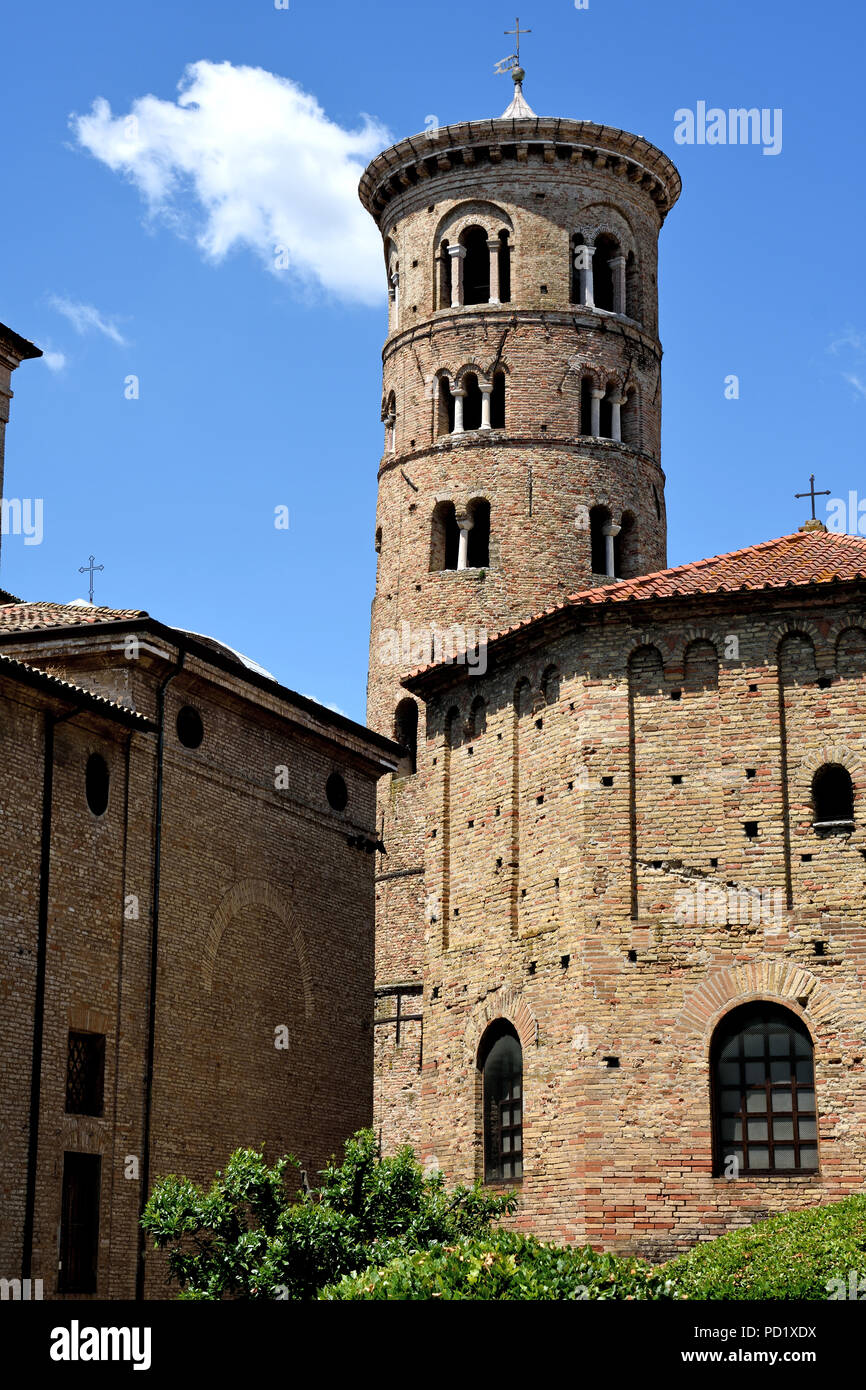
{"points": [[465, 523], [609, 531], [486, 393], [494, 246], [391, 433], [616, 404], [583, 264], [458, 256], [617, 266], [459, 394], [595, 413], [394, 300]]}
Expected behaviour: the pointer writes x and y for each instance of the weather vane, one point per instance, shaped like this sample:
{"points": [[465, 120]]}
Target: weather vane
{"points": [[512, 62], [89, 569]]}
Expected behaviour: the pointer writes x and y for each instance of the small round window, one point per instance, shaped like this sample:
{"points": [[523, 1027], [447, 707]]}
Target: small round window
{"points": [[96, 780], [190, 729], [337, 792]]}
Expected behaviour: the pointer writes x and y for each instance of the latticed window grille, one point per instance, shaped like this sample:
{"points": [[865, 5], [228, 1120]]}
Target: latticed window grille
{"points": [[85, 1073], [764, 1092]]}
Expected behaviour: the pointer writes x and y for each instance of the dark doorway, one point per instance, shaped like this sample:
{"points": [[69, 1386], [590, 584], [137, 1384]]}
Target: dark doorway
{"points": [[79, 1223]]}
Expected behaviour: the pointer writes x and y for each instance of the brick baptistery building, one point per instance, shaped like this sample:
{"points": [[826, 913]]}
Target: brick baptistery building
{"points": [[621, 951]]}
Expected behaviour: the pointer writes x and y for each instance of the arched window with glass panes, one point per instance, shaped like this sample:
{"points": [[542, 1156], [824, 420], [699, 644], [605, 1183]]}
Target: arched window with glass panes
{"points": [[500, 1061], [763, 1082]]}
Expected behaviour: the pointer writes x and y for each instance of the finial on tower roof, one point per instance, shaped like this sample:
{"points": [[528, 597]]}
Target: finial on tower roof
{"points": [[519, 107]]}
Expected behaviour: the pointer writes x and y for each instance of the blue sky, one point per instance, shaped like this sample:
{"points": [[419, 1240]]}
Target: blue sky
{"points": [[260, 389]]}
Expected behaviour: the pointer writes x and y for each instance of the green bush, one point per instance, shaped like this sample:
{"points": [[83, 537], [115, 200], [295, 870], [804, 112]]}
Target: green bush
{"points": [[504, 1265], [794, 1255], [246, 1237]]}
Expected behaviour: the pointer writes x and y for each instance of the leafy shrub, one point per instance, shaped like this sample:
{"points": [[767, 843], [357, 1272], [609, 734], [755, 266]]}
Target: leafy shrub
{"points": [[248, 1238], [504, 1265], [794, 1255]]}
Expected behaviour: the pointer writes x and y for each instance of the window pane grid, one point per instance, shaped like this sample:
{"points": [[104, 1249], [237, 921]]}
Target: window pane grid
{"points": [[766, 1100]]}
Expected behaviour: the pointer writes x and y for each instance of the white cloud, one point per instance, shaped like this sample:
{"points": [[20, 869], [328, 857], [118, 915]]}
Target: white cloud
{"points": [[855, 381], [850, 340], [245, 158], [85, 317], [54, 361]]}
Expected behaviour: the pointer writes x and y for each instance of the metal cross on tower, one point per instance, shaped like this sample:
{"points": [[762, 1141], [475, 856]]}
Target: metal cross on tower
{"points": [[89, 569], [513, 61], [517, 32], [813, 494]]}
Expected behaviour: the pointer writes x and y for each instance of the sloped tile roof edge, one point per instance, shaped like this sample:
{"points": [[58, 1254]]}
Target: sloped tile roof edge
{"points": [[125, 620], [661, 586], [55, 685]]}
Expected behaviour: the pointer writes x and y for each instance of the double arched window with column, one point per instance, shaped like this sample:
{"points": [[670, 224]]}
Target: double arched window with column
{"points": [[603, 275], [500, 1065], [473, 263], [763, 1084]]}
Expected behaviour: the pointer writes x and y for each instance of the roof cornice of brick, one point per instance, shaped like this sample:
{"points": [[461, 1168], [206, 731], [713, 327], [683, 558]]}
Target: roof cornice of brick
{"points": [[56, 622], [433, 152], [22, 348], [55, 686], [805, 562]]}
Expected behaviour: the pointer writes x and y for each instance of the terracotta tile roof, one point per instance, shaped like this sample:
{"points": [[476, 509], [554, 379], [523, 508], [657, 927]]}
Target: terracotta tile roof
{"points": [[55, 685], [804, 558], [25, 617]]}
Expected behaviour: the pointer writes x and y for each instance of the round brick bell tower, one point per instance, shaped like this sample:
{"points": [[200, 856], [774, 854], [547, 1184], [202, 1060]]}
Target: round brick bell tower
{"points": [[521, 406]]}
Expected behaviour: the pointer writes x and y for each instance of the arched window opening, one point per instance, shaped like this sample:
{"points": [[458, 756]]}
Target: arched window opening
{"points": [[657, 502], [96, 784], [833, 799], [445, 412], [476, 266], [632, 288], [763, 1087], [500, 1061], [444, 277], [406, 734], [551, 682], [497, 402], [581, 261], [700, 667], [394, 295], [478, 721], [445, 537], [391, 424], [603, 272], [472, 402], [378, 540], [504, 268], [478, 550], [586, 387], [625, 552], [599, 517]]}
